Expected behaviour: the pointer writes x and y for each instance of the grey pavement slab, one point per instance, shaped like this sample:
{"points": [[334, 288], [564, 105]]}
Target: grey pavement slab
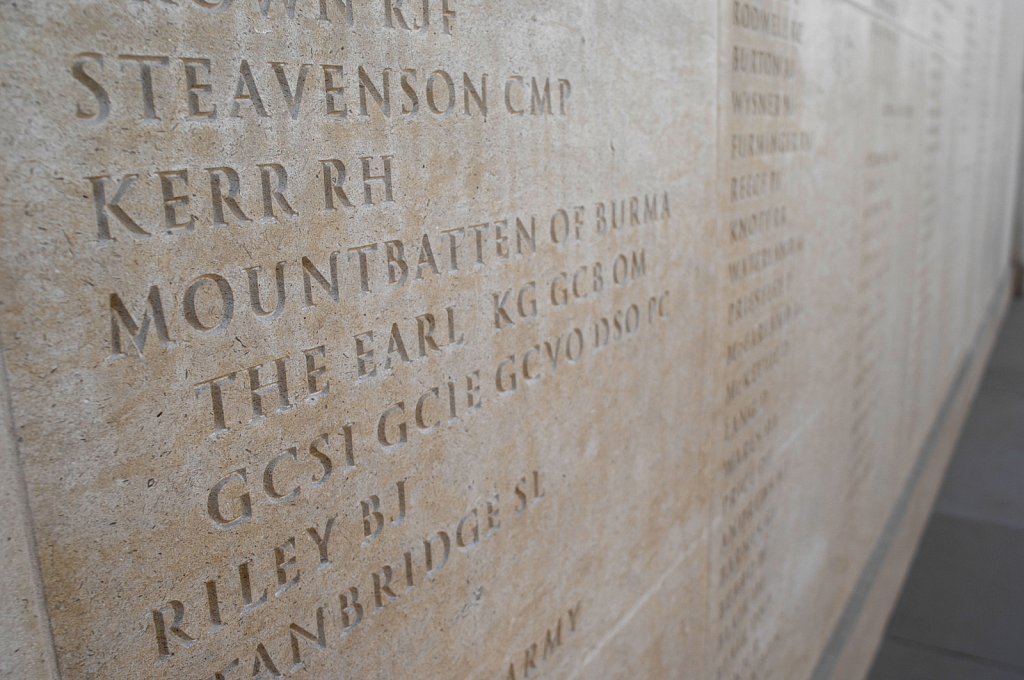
{"points": [[965, 591], [1008, 350], [986, 477], [899, 660]]}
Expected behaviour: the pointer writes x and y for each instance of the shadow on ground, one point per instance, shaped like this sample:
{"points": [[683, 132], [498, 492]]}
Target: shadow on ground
{"points": [[961, 613]]}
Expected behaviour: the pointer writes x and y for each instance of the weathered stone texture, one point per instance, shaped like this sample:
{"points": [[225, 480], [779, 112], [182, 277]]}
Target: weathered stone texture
{"points": [[450, 339]]}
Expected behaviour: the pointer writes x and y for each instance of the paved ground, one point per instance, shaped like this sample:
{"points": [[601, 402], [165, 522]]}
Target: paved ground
{"points": [[961, 613]]}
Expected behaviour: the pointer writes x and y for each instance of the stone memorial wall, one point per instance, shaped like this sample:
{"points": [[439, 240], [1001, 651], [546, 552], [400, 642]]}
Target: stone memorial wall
{"points": [[460, 339]]}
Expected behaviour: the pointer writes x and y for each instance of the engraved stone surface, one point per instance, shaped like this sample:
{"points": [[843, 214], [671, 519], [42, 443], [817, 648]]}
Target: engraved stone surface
{"points": [[452, 339]]}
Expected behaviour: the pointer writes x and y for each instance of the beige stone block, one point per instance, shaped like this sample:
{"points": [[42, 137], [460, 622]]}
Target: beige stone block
{"points": [[469, 340]]}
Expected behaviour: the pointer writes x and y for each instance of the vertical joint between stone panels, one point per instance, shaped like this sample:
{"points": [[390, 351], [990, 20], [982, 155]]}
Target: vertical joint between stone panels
{"points": [[709, 527], [48, 643]]}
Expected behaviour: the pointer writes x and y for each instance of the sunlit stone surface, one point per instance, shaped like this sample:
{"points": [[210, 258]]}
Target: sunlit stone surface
{"points": [[451, 339]]}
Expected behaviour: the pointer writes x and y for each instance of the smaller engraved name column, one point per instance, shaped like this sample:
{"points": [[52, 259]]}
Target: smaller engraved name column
{"points": [[762, 241]]}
